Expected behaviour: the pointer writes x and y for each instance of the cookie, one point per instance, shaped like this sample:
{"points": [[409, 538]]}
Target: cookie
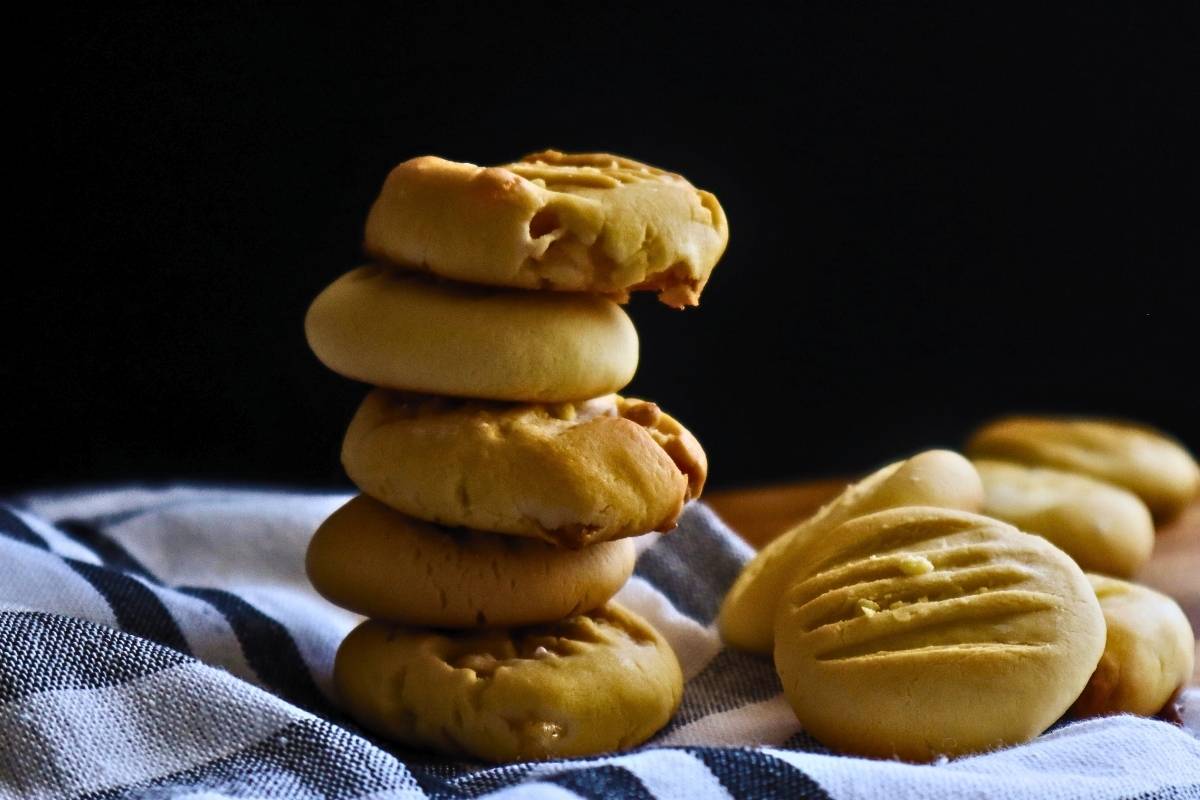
{"points": [[591, 684], [932, 478], [1146, 462], [587, 222], [408, 331], [1103, 527], [385, 565], [1148, 655], [571, 473], [920, 632]]}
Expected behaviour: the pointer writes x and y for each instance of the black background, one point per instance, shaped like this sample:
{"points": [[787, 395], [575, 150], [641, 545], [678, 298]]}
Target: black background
{"points": [[936, 216]]}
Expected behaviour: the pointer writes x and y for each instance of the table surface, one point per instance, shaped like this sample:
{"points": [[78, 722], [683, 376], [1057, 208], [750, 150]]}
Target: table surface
{"points": [[761, 514]]}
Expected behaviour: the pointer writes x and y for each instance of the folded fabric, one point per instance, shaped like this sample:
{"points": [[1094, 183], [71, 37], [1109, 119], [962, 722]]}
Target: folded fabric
{"points": [[165, 643]]}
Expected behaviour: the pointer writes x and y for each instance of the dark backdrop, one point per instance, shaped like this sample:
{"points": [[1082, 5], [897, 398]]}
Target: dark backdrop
{"points": [[936, 217]]}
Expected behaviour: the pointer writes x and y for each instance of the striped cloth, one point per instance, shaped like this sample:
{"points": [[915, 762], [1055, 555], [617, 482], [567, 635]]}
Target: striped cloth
{"points": [[165, 643]]}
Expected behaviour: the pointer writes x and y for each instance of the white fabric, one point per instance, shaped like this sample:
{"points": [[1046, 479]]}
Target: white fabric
{"points": [[165, 643]]}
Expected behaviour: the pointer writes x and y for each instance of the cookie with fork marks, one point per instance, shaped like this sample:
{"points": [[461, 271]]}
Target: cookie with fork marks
{"points": [[919, 632]]}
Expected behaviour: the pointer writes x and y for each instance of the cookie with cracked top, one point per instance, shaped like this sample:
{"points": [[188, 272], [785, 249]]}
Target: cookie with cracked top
{"points": [[588, 222], [569, 473]]}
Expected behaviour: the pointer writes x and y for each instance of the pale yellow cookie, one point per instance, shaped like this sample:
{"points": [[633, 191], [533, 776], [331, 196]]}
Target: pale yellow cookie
{"points": [[407, 331], [587, 222], [1148, 655], [932, 478], [385, 565], [1146, 462], [572, 473], [1103, 527], [591, 684], [919, 632]]}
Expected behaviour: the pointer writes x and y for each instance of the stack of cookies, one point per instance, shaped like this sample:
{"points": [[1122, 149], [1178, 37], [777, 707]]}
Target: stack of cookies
{"points": [[501, 475]]}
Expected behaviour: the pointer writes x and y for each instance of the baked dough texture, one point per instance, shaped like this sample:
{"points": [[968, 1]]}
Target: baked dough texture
{"points": [[385, 565], [409, 331], [1146, 462], [919, 632], [933, 478], [570, 473], [587, 685], [1103, 527], [589, 222], [1148, 655]]}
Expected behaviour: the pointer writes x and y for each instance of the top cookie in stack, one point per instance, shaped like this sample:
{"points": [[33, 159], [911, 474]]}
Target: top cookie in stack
{"points": [[489, 323], [589, 222]]}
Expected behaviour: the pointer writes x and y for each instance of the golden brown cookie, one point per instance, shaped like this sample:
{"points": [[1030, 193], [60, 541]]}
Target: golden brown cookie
{"points": [[587, 222], [1148, 655], [573, 473], [408, 331], [919, 632], [1146, 462], [587, 685], [933, 478], [1103, 527], [385, 565]]}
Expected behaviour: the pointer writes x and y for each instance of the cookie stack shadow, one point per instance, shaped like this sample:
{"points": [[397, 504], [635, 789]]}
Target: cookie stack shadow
{"points": [[501, 476]]}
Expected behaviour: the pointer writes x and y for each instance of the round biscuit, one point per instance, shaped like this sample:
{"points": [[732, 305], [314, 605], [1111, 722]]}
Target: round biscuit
{"points": [[594, 683], [570, 473], [403, 330], [919, 632], [385, 565]]}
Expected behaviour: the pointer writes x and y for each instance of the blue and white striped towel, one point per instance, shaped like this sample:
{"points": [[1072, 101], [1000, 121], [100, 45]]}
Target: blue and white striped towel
{"points": [[165, 643]]}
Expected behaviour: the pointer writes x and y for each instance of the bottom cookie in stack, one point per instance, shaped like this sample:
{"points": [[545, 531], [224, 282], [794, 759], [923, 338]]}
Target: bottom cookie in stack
{"points": [[542, 663], [588, 684]]}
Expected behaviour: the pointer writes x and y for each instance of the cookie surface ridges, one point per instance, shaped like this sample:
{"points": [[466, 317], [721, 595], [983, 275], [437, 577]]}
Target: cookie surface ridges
{"points": [[920, 632]]}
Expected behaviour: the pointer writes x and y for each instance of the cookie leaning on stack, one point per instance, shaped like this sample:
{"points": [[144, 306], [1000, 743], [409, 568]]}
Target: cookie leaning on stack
{"points": [[501, 475]]}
